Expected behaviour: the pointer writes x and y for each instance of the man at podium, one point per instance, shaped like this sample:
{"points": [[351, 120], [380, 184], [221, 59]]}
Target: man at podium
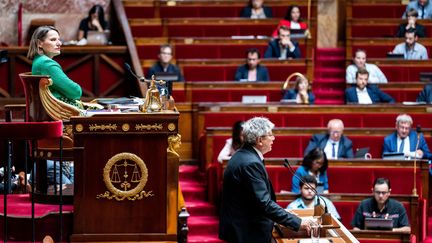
{"points": [[249, 207]]}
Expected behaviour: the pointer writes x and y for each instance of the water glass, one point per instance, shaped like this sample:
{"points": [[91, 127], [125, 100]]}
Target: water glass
{"points": [[315, 233]]}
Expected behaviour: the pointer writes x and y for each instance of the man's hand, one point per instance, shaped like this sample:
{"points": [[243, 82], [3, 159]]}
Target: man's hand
{"points": [[306, 224]]}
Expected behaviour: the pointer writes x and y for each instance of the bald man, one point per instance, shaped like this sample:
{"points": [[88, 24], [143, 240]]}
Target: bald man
{"points": [[334, 143]]}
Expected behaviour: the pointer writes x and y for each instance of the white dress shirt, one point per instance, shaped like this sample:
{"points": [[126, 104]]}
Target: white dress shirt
{"points": [[363, 96]]}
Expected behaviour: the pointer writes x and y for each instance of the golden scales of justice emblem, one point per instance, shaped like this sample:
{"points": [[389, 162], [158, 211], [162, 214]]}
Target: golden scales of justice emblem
{"points": [[125, 176]]}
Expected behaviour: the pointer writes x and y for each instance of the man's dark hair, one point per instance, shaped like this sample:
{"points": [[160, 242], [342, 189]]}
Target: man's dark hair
{"points": [[412, 12], [361, 71], [411, 31], [381, 181], [252, 51], [308, 179], [315, 154]]}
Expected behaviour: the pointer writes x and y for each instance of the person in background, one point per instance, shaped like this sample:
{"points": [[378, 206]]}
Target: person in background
{"points": [[301, 93], [249, 209], [412, 16], [232, 144], [359, 61], [363, 93], [404, 140], [411, 49], [308, 199], [426, 94], [334, 143], [44, 46], [314, 163], [283, 47], [94, 21], [423, 8], [256, 10], [292, 20], [380, 205], [252, 70], [164, 64]]}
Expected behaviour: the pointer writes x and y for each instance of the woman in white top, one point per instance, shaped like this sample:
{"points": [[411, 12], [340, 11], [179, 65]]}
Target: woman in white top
{"points": [[232, 144], [376, 76]]}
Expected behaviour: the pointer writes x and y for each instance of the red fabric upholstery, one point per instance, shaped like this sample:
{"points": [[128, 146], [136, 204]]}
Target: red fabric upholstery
{"points": [[139, 11], [147, 30], [31, 130], [403, 73], [378, 11]]}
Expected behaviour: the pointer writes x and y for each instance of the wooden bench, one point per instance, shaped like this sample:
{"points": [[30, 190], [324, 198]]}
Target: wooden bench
{"points": [[374, 9], [378, 27], [209, 47], [203, 9]]}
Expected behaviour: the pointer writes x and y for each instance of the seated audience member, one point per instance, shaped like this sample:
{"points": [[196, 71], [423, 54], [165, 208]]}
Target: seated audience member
{"points": [[381, 206], [412, 15], [252, 70], [308, 199], [404, 140], [411, 49], [423, 8], [292, 20], [359, 61], [426, 94], [301, 93], [314, 163], [233, 143], [334, 143], [94, 21], [363, 93], [256, 10], [283, 47], [164, 64]]}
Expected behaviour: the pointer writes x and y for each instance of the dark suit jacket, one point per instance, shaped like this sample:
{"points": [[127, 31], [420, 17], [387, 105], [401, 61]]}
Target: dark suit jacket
{"points": [[426, 94], [320, 140], [242, 73], [390, 144], [376, 95], [273, 50], [249, 207], [420, 30], [292, 94], [247, 12], [157, 68]]}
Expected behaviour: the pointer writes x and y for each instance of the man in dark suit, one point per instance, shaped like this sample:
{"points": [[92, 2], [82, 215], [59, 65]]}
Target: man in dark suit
{"points": [[426, 94], [252, 70], [334, 143], [164, 64], [363, 93], [283, 47], [404, 140], [249, 207]]}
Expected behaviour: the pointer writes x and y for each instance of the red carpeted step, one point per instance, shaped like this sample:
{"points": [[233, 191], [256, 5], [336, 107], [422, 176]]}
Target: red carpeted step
{"points": [[336, 73], [204, 239], [193, 190], [330, 52], [200, 208], [19, 205], [203, 225]]}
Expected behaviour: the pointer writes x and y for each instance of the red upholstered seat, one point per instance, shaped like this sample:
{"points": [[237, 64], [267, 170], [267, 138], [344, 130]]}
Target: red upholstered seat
{"points": [[31, 130], [378, 11]]}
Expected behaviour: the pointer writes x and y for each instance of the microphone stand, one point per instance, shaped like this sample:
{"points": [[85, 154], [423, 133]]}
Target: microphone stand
{"points": [[414, 190], [318, 210]]}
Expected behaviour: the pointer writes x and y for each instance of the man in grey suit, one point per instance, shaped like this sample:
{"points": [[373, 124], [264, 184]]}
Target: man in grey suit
{"points": [[249, 208], [334, 143]]}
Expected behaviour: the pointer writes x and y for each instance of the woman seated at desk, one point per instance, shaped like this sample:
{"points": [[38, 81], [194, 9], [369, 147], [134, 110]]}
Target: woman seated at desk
{"points": [[95, 21], [301, 92]]}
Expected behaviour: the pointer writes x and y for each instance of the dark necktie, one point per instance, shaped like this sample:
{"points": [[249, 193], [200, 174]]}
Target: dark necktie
{"points": [[422, 15], [402, 145], [333, 150]]}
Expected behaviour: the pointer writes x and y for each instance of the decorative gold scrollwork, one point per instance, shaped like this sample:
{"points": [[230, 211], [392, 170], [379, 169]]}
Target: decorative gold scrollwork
{"points": [[110, 127], [171, 127], [125, 176], [148, 127]]}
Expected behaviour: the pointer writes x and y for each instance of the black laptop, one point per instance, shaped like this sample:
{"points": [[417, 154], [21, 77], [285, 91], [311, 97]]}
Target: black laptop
{"points": [[395, 55], [378, 224], [361, 152]]}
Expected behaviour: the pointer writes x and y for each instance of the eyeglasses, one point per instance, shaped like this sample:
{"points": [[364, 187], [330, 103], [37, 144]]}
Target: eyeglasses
{"points": [[166, 53], [268, 135], [381, 193]]}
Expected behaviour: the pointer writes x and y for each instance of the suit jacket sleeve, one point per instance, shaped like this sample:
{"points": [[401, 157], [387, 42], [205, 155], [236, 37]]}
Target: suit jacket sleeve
{"points": [[387, 145], [239, 73], [269, 53], [246, 12], [263, 74], [348, 148], [424, 147], [384, 97], [296, 53], [350, 97], [255, 180], [268, 12]]}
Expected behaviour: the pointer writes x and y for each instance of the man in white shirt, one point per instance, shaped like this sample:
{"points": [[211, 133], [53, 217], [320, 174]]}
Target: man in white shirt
{"points": [[359, 61], [410, 48], [363, 93]]}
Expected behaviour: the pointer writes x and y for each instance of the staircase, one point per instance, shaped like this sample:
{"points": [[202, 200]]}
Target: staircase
{"points": [[203, 221], [329, 73]]}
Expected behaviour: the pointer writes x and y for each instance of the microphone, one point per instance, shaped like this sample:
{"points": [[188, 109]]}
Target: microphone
{"points": [[325, 217], [128, 67]]}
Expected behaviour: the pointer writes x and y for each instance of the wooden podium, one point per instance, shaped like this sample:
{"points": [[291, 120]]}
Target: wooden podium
{"points": [[126, 177]]}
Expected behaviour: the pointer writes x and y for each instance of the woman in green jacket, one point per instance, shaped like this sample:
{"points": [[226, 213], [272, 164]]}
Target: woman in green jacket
{"points": [[44, 45]]}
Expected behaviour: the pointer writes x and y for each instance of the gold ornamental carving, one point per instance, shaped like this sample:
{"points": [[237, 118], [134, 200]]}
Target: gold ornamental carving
{"points": [[171, 127], [125, 176], [148, 127], [174, 142], [125, 127], [79, 127], [103, 127]]}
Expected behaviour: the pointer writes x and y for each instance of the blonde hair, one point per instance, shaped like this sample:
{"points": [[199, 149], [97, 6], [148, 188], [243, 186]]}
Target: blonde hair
{"points": [[40, 34]]}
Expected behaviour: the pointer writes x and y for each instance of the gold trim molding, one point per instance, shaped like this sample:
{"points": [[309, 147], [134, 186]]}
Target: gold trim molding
{"points": [[125, 176], [103, 127], [148, 127]]}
